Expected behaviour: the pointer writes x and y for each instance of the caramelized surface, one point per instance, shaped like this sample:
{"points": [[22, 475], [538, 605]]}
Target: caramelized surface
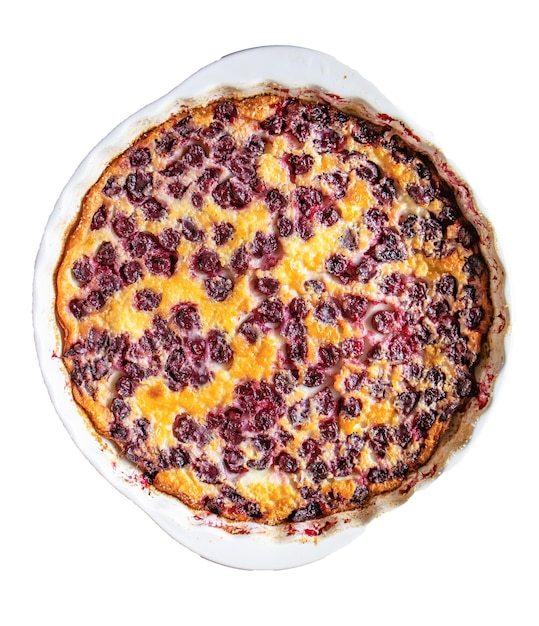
{"points": [[274, 308]]}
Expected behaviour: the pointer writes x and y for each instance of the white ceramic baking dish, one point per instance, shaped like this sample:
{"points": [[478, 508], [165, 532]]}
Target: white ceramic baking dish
{"points": [[241, 545]]}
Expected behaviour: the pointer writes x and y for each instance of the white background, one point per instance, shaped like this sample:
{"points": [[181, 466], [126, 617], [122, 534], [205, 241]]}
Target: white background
{"points": [[75, 551]]}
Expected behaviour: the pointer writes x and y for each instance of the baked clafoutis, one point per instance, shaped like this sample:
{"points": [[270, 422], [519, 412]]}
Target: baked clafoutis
{"points": [[280, 307]]}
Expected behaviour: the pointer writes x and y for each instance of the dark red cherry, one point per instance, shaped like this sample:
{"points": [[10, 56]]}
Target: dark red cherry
{"points": [[218, 288], [106, 254], [147, 300], [154, 210], [131, 272], [222, 232], [123, 225], [82, 270], [139, 157], [219, 350], [225, 111], [286, 462], [275, 201], [207, 262], [186, 316]]}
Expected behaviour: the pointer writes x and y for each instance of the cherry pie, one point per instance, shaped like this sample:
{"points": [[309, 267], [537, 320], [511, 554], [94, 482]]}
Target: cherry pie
{"points": [[277, 306]]}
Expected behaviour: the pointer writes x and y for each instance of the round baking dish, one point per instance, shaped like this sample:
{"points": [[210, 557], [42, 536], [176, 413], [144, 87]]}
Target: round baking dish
{"points": [[241, 545]]}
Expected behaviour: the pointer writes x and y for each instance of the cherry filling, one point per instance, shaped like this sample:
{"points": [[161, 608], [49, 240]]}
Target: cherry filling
{"points": [[351, 325]]}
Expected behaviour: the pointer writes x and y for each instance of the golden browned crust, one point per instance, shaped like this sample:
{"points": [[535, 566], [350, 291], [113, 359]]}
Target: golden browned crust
{"points": [[353, 347]]}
